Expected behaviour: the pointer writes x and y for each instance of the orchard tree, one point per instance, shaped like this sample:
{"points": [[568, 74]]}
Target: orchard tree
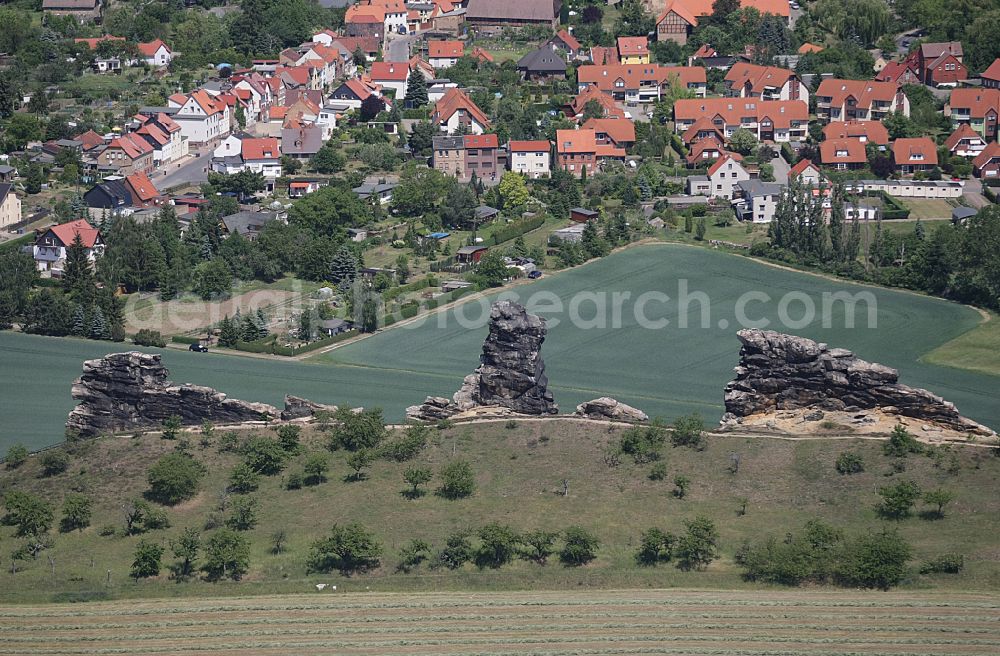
{"points": [[415, 477], [227, 555], [185, 550], [655, 546], [77, 510], [174, 478], [939, 498], [358, 430], [30, 514], [146, 562], [264, 455], [315, 469], [897, 500], [698, 546], [579, 547], [457, 480], [497, 547], [539, 545], [348, 549], [360, 460]]}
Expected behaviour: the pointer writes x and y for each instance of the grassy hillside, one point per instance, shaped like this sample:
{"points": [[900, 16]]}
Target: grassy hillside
{"points": [[519, 472], [758, 623]]}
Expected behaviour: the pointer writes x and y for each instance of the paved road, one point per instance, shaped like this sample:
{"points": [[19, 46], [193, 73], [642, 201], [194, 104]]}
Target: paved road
{"points": [[399, 47], [973, 194], [190, 171], [781, 168]]}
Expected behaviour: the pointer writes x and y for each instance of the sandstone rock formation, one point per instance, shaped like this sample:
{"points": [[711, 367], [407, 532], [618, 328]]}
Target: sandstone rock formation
{"points": [[126, 391], [299, 408], [608, 408], [511, 373], [784, 372]]}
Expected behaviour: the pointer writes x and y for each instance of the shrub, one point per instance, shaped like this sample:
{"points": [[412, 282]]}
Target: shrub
{"points": [[174, 478], [538, 545], [658, 472], [77, 510], [850, 462], [264, 455], [655, 546], [877, 560], [315, 469], [643, 443], [950, 563], [498, 544], [243, 479], [147, 560], [171, 426], [412, 554], [579, 547], [456, 552], [17, 454], [407, 447], [457, 480], [415, 477], [687, 432], [288, 437], [348, 549], [147, 337], [362, 430], [294, 481], [681, 484], [901, 443], [898, 499], [229, 442], [54, 462], [360, 460]]}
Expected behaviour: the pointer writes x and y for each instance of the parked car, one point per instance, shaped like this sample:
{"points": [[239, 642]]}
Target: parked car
{"points": [[535, 275], [198, 348]]}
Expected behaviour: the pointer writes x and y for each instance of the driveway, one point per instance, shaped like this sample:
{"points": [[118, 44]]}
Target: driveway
{"points": [[399, 47], [781, 168], [972, 194]]}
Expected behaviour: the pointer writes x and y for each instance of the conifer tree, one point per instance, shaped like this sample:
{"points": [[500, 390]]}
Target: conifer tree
{"points": [[344, 267], [98, 325], [416, 89]]}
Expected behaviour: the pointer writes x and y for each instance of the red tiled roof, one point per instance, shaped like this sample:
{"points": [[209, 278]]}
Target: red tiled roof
{"points": [[732, 110], [681, 9], [90, 139], [725, 157], [705, 51], [149, 49], [529, 146], [142, 187], [704, 7], [894, 72], [481, 141], [993, 72], [445, 49], [482, 55], [872, 131], [620, 130], [905, 151], [576, 141], [67, 232], [992, 151], [392, 71], [854, 151], [260, 148], [208, 104], [632, 45], [807, 48], [633, 75], [800, 167], [864, 91], [569, 40], [697, 152], [604, 100], [758, 77], [154, 132], [979, 102], [964, 131], [603, 56], [454, 100], [92, 43]]}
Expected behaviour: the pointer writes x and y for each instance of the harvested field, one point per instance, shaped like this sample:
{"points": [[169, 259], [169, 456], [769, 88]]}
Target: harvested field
{"points": [[612, 622]]}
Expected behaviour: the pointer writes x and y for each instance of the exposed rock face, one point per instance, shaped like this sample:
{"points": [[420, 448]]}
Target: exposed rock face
{"points": [[511, 373], [779, 372], [124, 391], [299, 408], [608, 408]]}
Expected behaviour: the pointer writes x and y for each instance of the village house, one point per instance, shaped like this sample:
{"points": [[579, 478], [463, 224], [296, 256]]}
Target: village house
{"points": [[633, 50], [202, 118], [609, 108], [301, 140], [965, 142], [914, 155], [455, 109], [769, 120], [864, 131], [566, 43], [546, 63], [855, 100], [352, 93], [899, 73], [391, 76], [111, 193], [758, 200], [529, 158], [807, 173], [578, 151], [986, 165], [938, 64], [247, 223], [10, 206], [675, 23], [260, 155], [379, 190], [612, 131], [721, 179], [449, 156], [641, 83], [490, 16], [51, 244], [842, 154], [444, 54], [82, 10], [303, 187], [127, 154], [704, 151], [765, 82], [163, 134], [991, 76], [977, 107], [156, 53], [142, 191]]}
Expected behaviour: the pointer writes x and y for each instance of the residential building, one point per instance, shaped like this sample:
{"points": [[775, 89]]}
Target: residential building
{"points": [[810, 49], [112, 193], [127, 154], [449, 156], [455, 109], [578, 151], [758, 200], [529, 158], [202, 118], [768, 120], [965, 142], [864, 131], [566, 43], [444, 54], [612, 131], [705, 151], [260, 155], [721, 179], [546, 63], [380, 190], [50, 246], [301, 140], [633, 50], [987, 163], [991, 76], [142, 191], [898, 73], [675, 23], [491, 16], [82, 10], [352, 93], [939, 64], [391, 76], [807, 173], [482, 155], [641, 83], [853, 100], [909, 188], [977, 107], [161, 132], [843, 154], [914, 155], [247, 223], [608, 106], [10, 206], [303, 187], [156, 53], [765, 82]]}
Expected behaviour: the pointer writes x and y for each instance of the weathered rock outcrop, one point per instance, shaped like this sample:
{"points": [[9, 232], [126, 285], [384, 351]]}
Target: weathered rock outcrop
{"points": [[299, 408], [784, 372], [511, 373], [126, 391], [608, 408]]}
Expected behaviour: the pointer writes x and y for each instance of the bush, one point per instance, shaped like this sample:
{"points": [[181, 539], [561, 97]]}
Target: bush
{"points": [[264, 455], [579, 548], [54, 462], [412, 554], [897, 500], [658, 472], [850, 462], [497, 547], [361, 430], [348, 549], [243, 479], [950, 563], [147, 337], [877, 560], [407, 447], [655, 546], [77, 511], [288, 437], [643, 443], [227, 555], [294, 481], [901, 443], [457, 480], [698, 547], [174, 478], [17, 455], [315, 468], [687, 432]]}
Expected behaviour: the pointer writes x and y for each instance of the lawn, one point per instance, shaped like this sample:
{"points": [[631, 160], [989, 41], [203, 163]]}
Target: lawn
{"points": [[519, 473], [928, 208], [668, 371], [573, 622]]}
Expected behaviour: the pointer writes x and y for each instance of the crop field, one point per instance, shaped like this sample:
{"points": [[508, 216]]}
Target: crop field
{"points": [[668, 371], [764, 623]]}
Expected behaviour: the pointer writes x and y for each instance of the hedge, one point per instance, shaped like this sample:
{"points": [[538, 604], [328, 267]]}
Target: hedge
{"points": [[892, 209], [423, 283], [516, 229], [184, 339], [312, 346], [788, 153], [265, 345], [990, 194]]}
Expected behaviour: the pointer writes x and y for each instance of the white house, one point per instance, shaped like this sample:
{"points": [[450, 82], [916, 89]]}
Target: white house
{"points": [[391, 75], [444, 54], [202, 118], [721, 181], [530, 158], [156, 53], [49, 250], [758, 200]]}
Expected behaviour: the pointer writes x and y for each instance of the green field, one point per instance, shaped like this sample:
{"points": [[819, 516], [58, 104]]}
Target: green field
{"points": [[666, 372], [762, 623], [519, 472]]}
